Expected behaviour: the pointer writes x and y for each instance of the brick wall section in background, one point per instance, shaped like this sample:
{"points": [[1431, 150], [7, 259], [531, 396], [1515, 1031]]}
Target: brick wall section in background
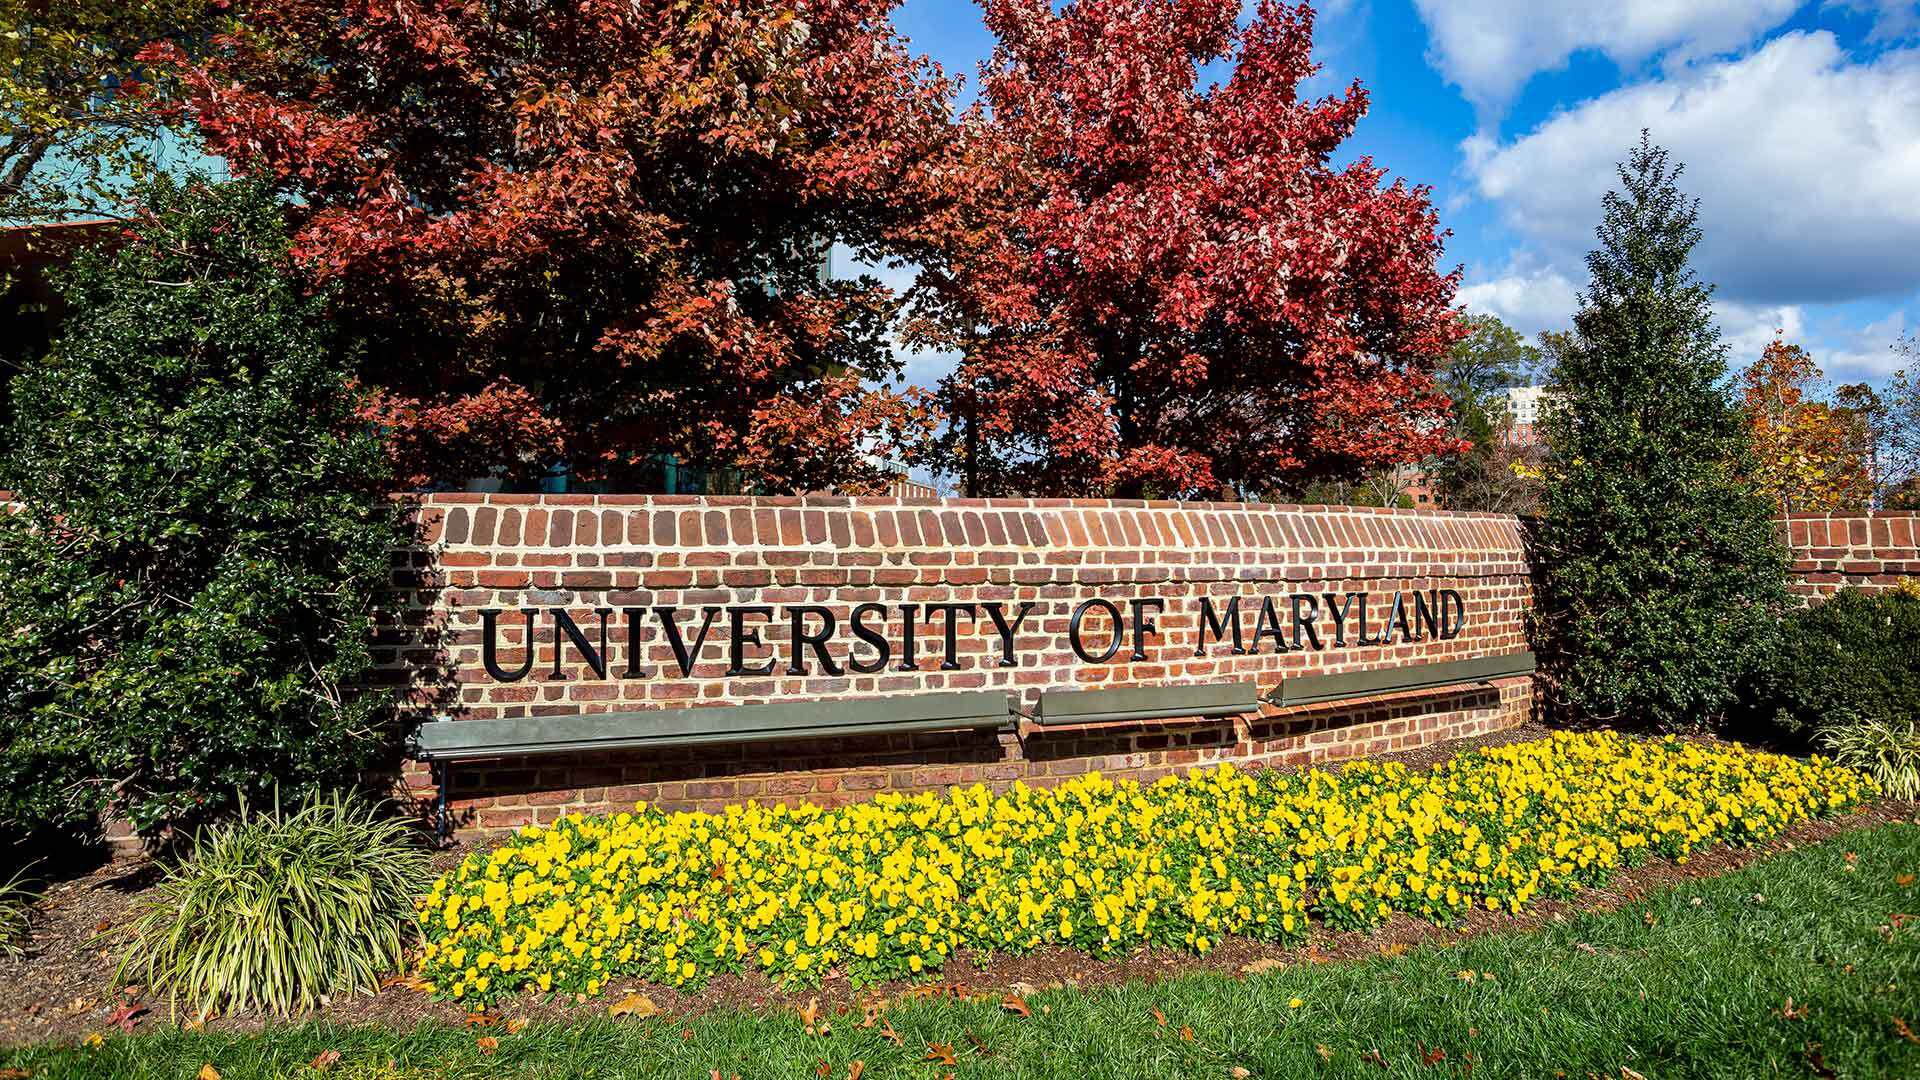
{"points": [[1834, 551], [583, 552]]}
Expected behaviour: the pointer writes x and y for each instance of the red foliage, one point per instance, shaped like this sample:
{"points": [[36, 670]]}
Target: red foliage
{"points": [[1163, 286], [590, 231]]}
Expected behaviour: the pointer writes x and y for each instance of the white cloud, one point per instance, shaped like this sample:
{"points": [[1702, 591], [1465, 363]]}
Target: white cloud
{"points": [[1529, 299], [1490, 48], [1806, 164], [1748, 329]]}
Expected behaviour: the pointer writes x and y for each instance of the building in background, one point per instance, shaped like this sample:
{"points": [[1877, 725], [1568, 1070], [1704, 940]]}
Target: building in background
{"points": [[1525, 408]]}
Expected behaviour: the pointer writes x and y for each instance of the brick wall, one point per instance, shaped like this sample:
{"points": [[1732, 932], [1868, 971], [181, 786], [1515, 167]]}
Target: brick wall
{"points": [[1834, 551], [625, 556]]}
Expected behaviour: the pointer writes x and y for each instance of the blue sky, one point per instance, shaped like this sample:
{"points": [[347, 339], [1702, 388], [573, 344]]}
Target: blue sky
{"points": [[1799, 124]]}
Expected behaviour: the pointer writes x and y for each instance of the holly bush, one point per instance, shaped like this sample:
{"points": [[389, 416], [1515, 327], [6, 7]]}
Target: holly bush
{"points": [[186, 580]]}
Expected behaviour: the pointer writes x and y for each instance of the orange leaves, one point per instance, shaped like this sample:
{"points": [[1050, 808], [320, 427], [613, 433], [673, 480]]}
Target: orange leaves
{"points": [[1017, 1005], [1807, 454], [811, 1020], [940, 1053], [638, 1006]]}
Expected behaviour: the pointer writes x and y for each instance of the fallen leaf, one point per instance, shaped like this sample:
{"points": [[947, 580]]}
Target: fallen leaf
{"points": [[1431, 1057], [487, 1044], [892, 1036], [207, 1072], [942, 1053], [1159, 1018], [639, 1006], [1374, 1056], [324, 1060], [1629, 1074], [126, 1016], [193, 1023], [1903, 880], [1186, 1033], [1817, 1061], [1325, 1051], [1265, 963], [15, 1074], [1901, 1029], [823, 1069], [1394, 948], [1239, 1072], [1790, 1011], [979, 1044], [516, 1025], [1650, 919], [1586, 948], [481, 1018], [855, 1068], [102, 926], [1013, 1003]]}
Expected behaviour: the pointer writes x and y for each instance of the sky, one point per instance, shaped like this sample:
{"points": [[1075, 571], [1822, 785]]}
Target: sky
{"points": [[1798, 124]]}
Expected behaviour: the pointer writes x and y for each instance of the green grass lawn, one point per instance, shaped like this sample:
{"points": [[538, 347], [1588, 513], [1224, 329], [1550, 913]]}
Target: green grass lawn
{"points": [[1693, 982]]}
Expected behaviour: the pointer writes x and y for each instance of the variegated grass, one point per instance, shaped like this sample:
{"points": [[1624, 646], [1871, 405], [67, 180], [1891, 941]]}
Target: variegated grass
{"points": [[277, 911]]}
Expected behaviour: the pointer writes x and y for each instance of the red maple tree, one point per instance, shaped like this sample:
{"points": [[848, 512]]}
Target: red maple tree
{"points": [[591, 232], [1162, 285]]}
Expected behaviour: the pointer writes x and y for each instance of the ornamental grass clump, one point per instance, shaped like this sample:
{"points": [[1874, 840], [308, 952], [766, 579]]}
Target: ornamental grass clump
{"points": [[16, 915], [277, 911], [895, 886], [1887, 750]]}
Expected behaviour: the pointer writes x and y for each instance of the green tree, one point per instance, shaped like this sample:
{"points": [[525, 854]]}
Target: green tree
{"points": [[185, 594], [1479, 369], [1661, 578], [71, 132]]}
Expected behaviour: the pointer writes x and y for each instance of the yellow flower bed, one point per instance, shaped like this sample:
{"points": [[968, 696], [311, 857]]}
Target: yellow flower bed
{"points": [[894, 886]]}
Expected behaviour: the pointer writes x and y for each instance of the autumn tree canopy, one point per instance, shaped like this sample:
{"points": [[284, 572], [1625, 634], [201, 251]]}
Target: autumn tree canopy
{"points": [[1163, 284], [591, 232], [1805, 455], [71, 130]]}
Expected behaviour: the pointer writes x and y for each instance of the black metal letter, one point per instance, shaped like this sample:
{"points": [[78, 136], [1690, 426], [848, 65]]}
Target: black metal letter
{"points": [[1268, 625], [997, 613], [741, 637], [796, 621], [858, 622], [1219, 623], [1073, 631], [669, 621], [1303, 628], [563, 622], [1142, 626], [1452, 603], [489, 648]]}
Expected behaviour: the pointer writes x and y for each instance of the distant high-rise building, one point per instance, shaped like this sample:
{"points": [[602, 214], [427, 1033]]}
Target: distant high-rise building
{"points": [[1525, 407]]}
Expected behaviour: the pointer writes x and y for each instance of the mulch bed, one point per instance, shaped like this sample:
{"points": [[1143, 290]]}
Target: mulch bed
{"points": [[62, 989]]}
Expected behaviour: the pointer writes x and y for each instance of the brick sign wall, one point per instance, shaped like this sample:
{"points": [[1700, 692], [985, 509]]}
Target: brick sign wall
{"points": [[640, 602], [1835, 551]]}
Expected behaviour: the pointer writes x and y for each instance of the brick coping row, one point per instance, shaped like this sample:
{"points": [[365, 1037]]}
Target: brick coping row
{"points": [[464, 498]]}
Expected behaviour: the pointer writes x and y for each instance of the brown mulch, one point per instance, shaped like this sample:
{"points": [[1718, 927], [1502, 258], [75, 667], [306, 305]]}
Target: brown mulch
{"points": [[62, 989]]}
